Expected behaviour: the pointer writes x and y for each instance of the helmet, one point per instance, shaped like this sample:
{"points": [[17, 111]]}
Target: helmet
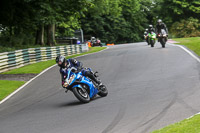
{"points": [[150, 26], [60, 60], [146, 29], [159, 21]]}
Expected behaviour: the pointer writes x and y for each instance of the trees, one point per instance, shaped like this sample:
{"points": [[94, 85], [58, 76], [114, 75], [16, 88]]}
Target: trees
{"points": [[182, 9], [16, 20], [56, 13], [115, 21], [38, 18], [186, 28], [181, 12]]}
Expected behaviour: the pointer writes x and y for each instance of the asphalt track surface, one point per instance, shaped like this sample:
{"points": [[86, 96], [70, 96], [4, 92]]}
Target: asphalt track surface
{"points": [[149, 88]]}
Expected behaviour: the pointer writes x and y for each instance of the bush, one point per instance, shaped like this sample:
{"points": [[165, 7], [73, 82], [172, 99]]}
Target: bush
{"points": [[15, 42], [17, 39], [186, 28]]}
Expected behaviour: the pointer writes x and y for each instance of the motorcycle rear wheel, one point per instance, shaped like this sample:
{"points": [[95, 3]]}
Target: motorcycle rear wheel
{"points": [[103, 91], [81, 94]]}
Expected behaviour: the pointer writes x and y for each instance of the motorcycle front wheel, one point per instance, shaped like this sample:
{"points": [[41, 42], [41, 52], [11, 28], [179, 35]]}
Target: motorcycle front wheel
{"points": [[81, 94], [152, 43], [147, 41], [163, 42]]}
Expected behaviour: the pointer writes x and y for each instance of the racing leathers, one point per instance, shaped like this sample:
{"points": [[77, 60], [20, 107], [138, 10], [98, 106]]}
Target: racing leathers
{"points": [[150, 30], [161, 26], [77, 65]]}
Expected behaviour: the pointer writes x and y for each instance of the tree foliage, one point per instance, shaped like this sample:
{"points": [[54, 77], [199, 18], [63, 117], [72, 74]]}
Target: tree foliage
{"points": [[115, 21], [181, 13], [36, 19], [186, 28], [25, 22]]}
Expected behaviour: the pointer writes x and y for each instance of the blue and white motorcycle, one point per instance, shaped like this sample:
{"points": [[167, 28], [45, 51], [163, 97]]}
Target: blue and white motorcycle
{"points": [[83, 88]]}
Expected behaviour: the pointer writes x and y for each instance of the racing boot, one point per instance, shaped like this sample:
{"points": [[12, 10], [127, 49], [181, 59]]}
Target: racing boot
{"points": [[97, 82]]}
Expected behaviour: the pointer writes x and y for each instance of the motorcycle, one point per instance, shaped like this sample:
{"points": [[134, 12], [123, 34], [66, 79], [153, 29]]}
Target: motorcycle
{"points": [[152, 38], [83, 88], [96, 43], [162, 37]]}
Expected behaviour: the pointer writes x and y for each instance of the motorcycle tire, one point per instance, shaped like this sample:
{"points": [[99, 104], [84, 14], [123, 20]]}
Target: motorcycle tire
{"points": [[152, 43], [81, 94], [147, 42], [163, 42], [103, 91]]}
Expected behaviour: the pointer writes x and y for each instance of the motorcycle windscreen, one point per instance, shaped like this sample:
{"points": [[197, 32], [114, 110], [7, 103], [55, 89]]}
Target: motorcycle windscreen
{"points": [[163, 32]]}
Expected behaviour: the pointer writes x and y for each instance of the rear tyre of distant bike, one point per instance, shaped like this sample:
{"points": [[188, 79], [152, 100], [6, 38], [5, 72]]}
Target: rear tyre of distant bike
{"points": [[81, 94], [103, 91]]}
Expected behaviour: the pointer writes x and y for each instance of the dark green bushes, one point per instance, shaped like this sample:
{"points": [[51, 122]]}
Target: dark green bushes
{"points": [[186, 28]]}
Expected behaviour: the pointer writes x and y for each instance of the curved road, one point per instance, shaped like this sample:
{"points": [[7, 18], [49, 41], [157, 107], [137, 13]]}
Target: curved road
{"points": [[149, 88]]}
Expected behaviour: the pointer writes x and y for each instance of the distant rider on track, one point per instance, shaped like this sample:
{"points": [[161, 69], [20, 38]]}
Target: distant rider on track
{"points": [[151, 29], [160, 25]]}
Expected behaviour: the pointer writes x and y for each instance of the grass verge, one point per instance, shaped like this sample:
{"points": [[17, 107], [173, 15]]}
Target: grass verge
{"points": [[190, 125], [192, 43], [40, 66], [7, 87], [186, 126]]}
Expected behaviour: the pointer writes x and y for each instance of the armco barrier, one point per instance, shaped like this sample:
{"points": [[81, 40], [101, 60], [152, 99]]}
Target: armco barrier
{"points": [[19, 58]]}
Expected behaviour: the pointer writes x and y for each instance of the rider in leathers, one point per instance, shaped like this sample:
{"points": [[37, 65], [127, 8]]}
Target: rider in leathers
{"points": [[160, 25], [69, 63], [151, 29]]}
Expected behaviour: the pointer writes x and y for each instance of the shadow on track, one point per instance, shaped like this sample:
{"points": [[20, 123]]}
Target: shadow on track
{"points": [[76, 103], [72, 103]]}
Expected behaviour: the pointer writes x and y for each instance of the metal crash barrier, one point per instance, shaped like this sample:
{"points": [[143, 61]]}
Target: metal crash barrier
{"points": [[19, 58]]}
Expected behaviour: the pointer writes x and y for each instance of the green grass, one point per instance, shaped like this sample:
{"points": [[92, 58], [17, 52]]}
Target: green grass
{"points": [[40, 66], [191, 125], [192, 43], [32, 68], [7, 87]]}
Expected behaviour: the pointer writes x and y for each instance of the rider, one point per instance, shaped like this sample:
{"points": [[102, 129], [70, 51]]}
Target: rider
{"points": [[151, 29], [93, 39], [146, 32], [146, 35], [160, 25], [69, 63]]}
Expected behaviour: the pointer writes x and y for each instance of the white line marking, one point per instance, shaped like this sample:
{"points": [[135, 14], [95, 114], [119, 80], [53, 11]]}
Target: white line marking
{"points": [[25, 85], [17, 90], [93, 53], [190, 53]]}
